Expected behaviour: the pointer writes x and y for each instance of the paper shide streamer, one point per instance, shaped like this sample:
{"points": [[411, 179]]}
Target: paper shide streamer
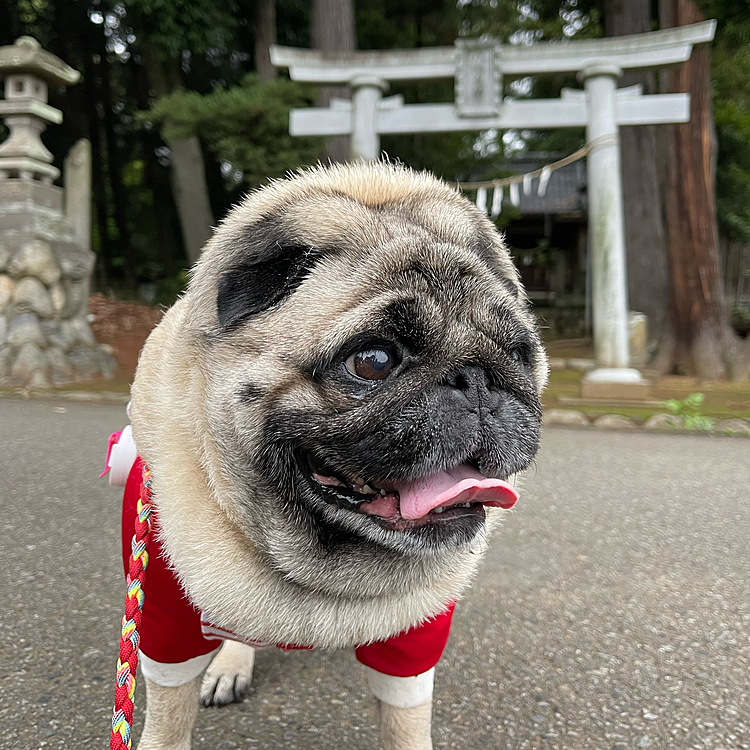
{"points": [[527, 180]]}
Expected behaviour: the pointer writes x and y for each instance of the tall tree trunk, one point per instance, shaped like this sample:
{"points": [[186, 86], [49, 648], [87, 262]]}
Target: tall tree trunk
{"points": [[161, 189], [189, 185], [705, 344], [114, 169], [265, 36], [191, 195], [98, 178], [332, 29], [645, 239]]}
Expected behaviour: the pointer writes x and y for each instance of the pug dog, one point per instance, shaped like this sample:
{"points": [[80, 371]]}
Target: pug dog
{"points": [[333, 416]]}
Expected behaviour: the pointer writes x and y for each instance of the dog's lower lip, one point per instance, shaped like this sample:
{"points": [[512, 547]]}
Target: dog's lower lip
{"points": [[432, 519]]}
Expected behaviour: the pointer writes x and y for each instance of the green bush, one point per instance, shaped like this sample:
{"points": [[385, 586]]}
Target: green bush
{"points": [[689, 410], [246, 126]]}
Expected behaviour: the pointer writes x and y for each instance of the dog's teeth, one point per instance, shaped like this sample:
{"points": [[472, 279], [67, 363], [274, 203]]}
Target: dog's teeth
{"points": [[367, 490], [466, 505], [438, 510], [384, 492]]}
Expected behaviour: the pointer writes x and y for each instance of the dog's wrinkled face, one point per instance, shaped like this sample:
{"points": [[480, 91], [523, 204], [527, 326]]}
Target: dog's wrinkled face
{"points": [[373, 380]]}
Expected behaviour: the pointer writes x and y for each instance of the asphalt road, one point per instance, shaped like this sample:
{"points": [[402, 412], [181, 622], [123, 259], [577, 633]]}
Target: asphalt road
{"points": [[613, 611]]}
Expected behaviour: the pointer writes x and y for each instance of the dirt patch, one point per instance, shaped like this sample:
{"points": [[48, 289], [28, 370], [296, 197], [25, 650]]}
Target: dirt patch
{"points": [[124, 326]]}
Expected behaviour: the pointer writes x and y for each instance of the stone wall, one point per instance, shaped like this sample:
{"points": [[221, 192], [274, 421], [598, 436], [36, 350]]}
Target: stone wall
{"points": [[45, 338]]}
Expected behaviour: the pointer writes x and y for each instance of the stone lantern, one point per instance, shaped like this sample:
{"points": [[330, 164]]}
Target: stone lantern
{"points": [[45, 234]]}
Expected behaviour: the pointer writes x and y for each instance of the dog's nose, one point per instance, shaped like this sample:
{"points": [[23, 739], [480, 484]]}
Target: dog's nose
{"points": [[473, 383]]}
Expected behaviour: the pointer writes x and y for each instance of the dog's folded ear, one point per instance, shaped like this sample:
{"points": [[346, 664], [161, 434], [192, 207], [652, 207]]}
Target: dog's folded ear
{"points": [[261, 282]]}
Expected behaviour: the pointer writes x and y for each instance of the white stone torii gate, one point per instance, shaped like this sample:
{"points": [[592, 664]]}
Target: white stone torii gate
{"points": [[478, 67]]}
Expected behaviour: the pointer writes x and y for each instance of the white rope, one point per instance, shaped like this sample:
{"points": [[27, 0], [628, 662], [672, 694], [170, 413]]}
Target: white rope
{"points": [[544, 174]]}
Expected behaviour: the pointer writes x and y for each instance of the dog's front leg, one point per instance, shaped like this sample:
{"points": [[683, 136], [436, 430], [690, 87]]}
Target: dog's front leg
{"points": [[405, 709], [406, 728], [170, 715]]}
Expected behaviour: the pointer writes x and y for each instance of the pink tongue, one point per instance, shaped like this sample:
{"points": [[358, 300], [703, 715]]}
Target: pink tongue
{"points": [[462, 484]]}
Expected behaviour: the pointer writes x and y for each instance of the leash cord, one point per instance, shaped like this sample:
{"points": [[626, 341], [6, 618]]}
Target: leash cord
{"points": [[122, 714]]}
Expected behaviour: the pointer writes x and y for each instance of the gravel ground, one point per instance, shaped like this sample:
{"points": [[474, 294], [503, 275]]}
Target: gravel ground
{"points": [[613, 611]]}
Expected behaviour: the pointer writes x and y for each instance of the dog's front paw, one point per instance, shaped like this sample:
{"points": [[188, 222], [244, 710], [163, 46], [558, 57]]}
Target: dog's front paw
{"points": [[229, 676]]}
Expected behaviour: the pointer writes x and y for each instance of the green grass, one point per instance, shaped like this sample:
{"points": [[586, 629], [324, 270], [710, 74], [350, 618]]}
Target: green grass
{"points": [[724, 400]]}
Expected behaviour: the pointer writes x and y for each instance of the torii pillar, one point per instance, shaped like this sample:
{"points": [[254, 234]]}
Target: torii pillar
{"points": [[367, 94], [613, 376]]}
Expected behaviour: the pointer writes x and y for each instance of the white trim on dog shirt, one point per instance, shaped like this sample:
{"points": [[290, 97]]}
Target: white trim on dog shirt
{"points": [[174, 675], [401, 692]]}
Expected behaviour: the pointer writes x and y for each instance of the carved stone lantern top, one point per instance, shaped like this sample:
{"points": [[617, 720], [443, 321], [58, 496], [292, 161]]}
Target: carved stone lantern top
{"points": [[28, 70], [26, 56]]}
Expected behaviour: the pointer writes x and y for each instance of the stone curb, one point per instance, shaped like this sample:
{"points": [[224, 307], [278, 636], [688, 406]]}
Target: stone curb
{"points": [[660, 422], [94, 397]]}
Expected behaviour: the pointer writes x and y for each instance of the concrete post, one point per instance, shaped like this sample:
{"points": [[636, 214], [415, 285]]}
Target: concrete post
{"points": [[609, 283], [367, 92], [77, 177]]}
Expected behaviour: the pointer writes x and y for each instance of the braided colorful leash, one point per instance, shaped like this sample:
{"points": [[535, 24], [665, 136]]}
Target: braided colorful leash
{"points": [[122, 715]]}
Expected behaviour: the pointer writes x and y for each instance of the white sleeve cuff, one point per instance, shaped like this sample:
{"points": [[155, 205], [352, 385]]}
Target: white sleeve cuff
{"points": [[401, 692], [122, 457], [173, 675]]}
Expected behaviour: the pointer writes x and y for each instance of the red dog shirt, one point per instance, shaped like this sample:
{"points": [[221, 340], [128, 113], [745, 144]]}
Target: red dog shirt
{"points": [[172, 630]]}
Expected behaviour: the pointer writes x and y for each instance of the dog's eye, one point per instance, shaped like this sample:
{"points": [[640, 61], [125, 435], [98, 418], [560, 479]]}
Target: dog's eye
{"points": [[521, 354], [373, 364]]}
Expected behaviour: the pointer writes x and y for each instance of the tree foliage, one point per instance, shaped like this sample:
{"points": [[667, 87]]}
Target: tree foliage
{"points": [[731, 81], [174, 26], [245, 126]]}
